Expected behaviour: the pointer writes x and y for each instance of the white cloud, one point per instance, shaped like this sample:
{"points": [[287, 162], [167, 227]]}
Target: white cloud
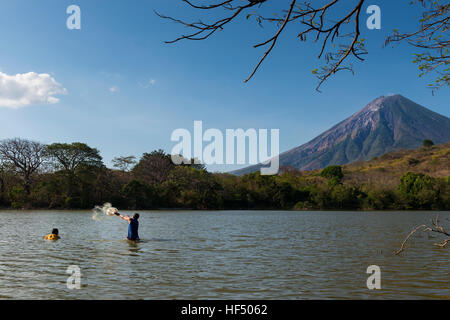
{"points": [[114, 89], [26, 89], [148, 84]]}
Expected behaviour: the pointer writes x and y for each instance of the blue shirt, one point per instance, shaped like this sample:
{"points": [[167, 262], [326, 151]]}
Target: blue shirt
{"points": [[133, 230]]}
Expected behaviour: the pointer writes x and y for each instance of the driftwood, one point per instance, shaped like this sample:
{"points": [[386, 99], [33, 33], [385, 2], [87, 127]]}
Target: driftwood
{"points": [[434, 227]]}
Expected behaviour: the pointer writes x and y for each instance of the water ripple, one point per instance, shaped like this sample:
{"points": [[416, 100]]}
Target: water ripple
{"points": [[221, 255]]}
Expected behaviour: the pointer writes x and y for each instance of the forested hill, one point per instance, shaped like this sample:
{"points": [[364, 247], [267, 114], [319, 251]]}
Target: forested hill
{"points": [[387, 169], [73, 176]]}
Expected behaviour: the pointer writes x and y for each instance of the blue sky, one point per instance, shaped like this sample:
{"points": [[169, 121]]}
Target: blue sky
{"points": [[127, 90]]}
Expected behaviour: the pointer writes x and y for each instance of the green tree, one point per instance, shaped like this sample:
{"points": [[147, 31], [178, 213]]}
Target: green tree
{"points": [[333, 173], [380, 199], [138, 195], [3, 173], [262, 190], [69, 157], [344, 197], [78, 166], [418, 191], [287, 196], [124, 163], [153, 167], [427, 143], [192, 188], [19, 197]]}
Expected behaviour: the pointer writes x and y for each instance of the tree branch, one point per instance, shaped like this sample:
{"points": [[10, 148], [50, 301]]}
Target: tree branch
{"points": [[435, 227]]}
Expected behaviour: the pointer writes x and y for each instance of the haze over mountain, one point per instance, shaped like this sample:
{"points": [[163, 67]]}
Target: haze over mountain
{"points": [[384, 125]]}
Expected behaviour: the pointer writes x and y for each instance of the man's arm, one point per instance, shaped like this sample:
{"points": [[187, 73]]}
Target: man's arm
{"points": [[126, 218]]}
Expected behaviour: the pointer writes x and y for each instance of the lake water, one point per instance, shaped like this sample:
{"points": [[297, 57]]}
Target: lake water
{"points": [[222, 255]]}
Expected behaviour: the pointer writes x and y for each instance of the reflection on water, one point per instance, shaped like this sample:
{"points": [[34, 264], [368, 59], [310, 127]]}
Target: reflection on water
{"points": [[221, 255]]}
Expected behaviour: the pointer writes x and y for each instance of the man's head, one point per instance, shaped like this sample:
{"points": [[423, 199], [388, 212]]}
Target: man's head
{"points": [[55, 231], [136, 216]]}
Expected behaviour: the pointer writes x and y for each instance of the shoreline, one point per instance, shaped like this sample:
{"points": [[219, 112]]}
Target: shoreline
{"points": [[228, 210]]}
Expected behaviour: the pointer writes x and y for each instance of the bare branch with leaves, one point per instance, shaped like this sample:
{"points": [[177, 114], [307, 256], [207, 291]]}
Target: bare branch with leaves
{"points": [[314, 21], [432, 37], [339, 34]]}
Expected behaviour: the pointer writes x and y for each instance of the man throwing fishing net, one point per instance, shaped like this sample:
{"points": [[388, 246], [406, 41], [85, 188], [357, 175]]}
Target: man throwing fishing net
{"points": [[133, 225]]}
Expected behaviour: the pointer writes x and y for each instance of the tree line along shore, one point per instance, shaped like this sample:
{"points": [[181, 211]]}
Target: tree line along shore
{"points": [[73, 176]]}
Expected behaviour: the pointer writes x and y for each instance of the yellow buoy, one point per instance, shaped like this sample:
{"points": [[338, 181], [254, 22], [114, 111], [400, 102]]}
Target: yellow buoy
{"points": [[51, 236]]}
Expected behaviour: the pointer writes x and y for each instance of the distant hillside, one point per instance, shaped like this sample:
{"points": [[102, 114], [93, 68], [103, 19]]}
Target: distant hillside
{"points": [[384, 125], [387, 169], [401, 180]]}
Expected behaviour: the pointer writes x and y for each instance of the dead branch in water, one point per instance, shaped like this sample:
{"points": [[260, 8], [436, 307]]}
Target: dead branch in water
{"points": [[435, 227]]}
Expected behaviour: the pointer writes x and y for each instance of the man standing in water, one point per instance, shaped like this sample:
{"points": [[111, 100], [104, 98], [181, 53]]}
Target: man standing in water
{"points": [[133, 225]]}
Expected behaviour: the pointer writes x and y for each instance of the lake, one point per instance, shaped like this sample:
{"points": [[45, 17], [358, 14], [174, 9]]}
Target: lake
{"points": [[222, 255]]}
